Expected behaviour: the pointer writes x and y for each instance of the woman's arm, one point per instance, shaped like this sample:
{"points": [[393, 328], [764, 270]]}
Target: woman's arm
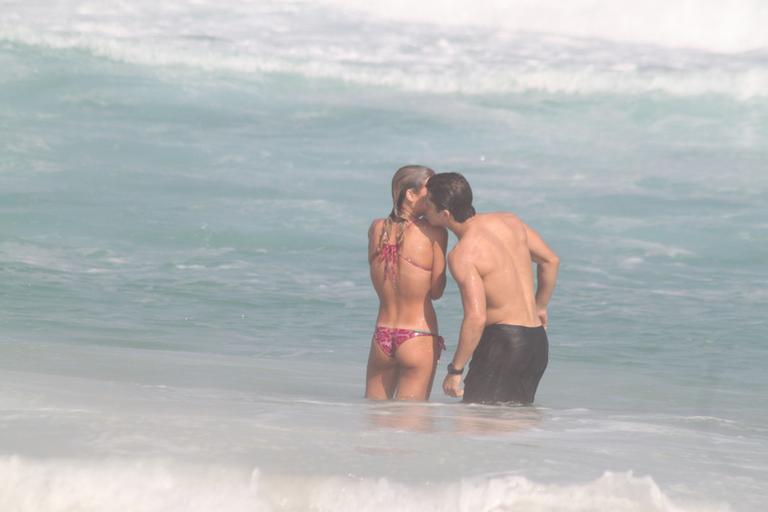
{"points": [[439, 246], [373, 239]]}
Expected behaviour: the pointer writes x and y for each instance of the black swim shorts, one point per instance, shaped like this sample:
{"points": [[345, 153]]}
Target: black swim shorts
{"points": [[507, 364]]}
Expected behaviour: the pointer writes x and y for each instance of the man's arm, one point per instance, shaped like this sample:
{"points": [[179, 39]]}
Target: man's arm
{"points": [[547, 264], [473, 299]]}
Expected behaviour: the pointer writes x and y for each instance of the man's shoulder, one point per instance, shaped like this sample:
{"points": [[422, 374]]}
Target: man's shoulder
{"points": [[463, 249], [504, 217], [504, 222]]}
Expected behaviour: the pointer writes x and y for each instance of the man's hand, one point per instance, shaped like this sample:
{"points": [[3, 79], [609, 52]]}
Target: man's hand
{"points": [[542, 314], [452, 386]]}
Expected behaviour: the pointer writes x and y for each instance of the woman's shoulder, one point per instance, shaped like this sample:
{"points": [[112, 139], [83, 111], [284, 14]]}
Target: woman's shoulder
{"points": [[376, 225]]}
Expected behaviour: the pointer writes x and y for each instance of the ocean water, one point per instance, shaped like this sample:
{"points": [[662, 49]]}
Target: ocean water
{"points": [[185, 191]]}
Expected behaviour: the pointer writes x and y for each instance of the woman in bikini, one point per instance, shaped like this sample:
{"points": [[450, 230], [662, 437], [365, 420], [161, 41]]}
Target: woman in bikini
{"points": [[407, 259]]}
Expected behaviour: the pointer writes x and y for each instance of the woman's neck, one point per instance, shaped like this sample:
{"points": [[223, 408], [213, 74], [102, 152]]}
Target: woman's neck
{"points": [[407, 214]]}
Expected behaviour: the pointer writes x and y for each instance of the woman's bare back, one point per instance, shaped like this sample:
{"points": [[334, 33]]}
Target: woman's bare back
{"points": [[406, 283]]}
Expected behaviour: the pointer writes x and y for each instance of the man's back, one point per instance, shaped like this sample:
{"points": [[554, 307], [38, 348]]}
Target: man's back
{"points": [[503, 329], [497, 245]]}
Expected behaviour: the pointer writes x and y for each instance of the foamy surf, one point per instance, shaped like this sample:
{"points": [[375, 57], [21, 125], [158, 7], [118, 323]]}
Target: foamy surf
{"points": [[184, 198], [710, 25], [437, 48], [33, 485]]}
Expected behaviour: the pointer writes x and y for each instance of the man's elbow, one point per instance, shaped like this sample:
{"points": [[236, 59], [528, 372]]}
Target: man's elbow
{"points": [[475, 318], [552, 261]]}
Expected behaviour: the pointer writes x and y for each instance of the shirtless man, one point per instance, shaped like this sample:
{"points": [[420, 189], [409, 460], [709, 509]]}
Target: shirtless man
{"points": [[503, 329]]}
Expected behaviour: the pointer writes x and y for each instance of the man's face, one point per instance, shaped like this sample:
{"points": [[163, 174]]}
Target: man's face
{"points": [[433, 216]]}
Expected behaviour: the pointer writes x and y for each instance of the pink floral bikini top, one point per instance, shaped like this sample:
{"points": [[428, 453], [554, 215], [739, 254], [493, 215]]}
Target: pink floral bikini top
{"points": [[389, 254]]}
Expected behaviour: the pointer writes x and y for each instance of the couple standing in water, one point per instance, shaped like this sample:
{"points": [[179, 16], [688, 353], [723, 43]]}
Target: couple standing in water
{"points": [[503, 329]]}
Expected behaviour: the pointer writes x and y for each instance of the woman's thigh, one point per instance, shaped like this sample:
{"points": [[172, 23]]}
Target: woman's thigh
{"points": [[381, 374]]}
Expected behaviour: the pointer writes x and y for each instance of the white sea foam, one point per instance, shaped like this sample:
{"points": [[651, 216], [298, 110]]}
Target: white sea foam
{"points": [[584, 48], [152, 485], [713, 25]]}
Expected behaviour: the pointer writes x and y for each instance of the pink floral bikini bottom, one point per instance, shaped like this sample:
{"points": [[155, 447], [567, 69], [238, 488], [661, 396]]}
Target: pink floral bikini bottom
{"points": [[390, 338]]}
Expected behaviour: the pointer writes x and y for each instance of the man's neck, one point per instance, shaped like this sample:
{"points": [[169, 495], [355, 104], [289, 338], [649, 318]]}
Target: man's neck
{"points": [[460, 228]]}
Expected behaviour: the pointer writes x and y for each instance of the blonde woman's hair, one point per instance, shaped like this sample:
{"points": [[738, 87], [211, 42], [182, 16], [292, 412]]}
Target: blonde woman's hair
{"points": [[410, 177]]}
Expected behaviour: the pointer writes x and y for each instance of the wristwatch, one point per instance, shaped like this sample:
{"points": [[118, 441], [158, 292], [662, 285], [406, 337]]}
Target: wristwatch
{"points": [[452, 370]]}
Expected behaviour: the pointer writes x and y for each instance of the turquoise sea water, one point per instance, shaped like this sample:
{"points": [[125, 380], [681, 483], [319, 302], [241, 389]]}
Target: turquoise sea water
{"points": [[185, 311]]}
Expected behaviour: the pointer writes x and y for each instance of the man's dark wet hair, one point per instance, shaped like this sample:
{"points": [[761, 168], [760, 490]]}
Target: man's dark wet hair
{"points": [[451, 191]]}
